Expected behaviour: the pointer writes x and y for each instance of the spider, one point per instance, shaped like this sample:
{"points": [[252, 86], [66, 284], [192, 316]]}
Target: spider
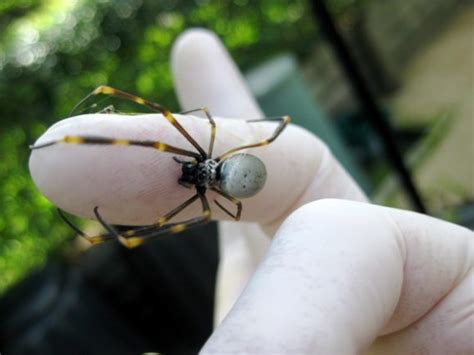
{"points": [[230, 175]]}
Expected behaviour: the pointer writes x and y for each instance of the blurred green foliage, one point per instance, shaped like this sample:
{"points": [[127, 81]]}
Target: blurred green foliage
{"points": [[28, 228], [53, 52]]}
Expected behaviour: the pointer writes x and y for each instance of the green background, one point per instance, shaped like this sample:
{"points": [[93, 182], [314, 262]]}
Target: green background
{"points": [[52, 53]]}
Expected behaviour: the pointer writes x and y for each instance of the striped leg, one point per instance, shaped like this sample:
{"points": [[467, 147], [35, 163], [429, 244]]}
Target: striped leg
{"points": [[136, 237], [213, 126], [162, 147], [283, 123], [91, 239], [107, 90], [231, 199], [140, 230]]}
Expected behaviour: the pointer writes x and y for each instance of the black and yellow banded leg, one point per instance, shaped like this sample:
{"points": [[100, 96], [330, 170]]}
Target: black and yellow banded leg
{"points": [[136, 237], [89, 140], [136, 231], [91, 239], [231, 199], [283, 123], [162, 220], [213, 126], [107, 90]]}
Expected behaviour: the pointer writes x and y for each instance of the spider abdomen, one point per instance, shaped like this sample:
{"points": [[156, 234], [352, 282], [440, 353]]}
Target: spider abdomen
{"points": [[242, 175]]}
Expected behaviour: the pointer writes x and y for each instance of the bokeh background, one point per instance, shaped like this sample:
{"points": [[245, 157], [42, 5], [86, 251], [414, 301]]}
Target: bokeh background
{"points": [[53, 53], [416, 55]]}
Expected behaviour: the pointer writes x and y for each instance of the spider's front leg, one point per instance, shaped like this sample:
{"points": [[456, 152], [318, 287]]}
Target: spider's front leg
{"points": [[92, 140], [107, 90], [212, 123]]}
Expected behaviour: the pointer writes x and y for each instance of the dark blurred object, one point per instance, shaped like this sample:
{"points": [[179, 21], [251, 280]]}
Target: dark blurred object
{"points": [[159, 297], [279, 87], [364, 143], [360, 137], [368, 104], [370, 61], [465, 215]]}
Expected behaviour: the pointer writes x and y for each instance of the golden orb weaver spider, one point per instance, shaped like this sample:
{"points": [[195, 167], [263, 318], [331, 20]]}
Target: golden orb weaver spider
{"points": [[230, 175]]}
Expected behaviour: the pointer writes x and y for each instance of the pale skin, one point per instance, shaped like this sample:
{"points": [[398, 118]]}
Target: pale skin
{"points": [[318, 269]]}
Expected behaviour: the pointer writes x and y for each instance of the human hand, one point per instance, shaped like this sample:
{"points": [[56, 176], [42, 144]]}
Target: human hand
{"points": [[343, 277], [324, 286], [338, 274]]}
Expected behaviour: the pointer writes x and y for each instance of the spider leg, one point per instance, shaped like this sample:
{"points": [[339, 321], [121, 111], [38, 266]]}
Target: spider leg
{"points": [[133, 238], [283, 123], [113, 234], [213, 126], [162, 220], [90, 239], [107, 90], [135, 231], [231, 199], [124, 142]]}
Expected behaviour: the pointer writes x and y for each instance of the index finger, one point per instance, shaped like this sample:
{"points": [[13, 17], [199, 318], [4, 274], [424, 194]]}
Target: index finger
{"points": [[135, 185]]}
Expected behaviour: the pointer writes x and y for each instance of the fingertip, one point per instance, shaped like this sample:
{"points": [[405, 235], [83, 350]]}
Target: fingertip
{"points": [[187, 43], [129, 184], [205, 75]]}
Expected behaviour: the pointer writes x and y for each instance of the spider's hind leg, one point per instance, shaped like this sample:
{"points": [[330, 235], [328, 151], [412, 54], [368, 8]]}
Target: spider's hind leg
{"points": [[96, 239], [135, 237]]}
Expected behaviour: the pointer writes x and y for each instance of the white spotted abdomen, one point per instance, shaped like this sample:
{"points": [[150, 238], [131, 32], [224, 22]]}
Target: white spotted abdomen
{"points": [[242, 175]]}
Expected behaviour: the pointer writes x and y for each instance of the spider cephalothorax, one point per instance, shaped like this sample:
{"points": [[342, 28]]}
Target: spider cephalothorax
{"points": [[198, 173], [230, 175]]}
